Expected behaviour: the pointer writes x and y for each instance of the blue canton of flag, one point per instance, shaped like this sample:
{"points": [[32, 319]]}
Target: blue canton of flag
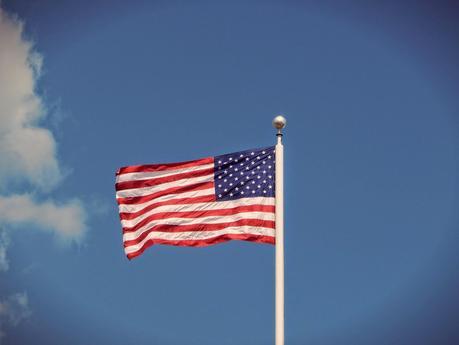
{"points": [[243, 174]]}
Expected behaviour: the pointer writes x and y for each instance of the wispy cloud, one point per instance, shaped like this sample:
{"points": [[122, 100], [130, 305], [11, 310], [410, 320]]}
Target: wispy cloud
{"points": [[27, 151], [28, 159], [4, 243], [13, 310], [66, 221]]}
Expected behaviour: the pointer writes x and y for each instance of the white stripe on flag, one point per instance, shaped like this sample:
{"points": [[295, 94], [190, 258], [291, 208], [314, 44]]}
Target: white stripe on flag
{"points": [[204, 206], [163, 173], [131, 208], [150, 190], [194, 221], [201, 235]]}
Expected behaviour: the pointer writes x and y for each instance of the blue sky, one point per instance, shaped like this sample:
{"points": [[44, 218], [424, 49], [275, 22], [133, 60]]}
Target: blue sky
{"points": [[371, 167]]}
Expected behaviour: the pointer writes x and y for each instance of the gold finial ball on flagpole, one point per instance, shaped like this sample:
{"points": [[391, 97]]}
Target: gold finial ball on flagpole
{"points": [[279, 122]]}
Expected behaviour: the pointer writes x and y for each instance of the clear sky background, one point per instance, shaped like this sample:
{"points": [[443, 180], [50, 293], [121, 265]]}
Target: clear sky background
{"points": [[370, 92]]}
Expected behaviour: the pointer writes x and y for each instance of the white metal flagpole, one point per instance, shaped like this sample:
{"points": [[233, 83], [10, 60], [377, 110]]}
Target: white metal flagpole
{"points": [[279, 122]]}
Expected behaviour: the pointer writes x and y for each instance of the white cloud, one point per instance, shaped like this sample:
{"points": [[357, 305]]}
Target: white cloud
{"points": [[28, 159], [67, 221], [13, 310], [27, 151]]}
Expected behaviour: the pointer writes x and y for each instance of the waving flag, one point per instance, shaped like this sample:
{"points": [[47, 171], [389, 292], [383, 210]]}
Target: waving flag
{"points": [[198, 203]]}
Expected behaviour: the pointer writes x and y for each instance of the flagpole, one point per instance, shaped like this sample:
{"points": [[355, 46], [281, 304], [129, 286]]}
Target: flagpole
{"points": [[279, 122]]}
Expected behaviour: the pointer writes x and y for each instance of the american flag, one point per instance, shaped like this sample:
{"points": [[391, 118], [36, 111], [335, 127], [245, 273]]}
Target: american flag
{"points": [[198, 203]]}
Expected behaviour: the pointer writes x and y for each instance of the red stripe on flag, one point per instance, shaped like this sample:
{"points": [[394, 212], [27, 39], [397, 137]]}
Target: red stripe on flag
{"points": [[160, 180], [161, 167], [173, 190], [179, 201], [200, 214], [201, 227], [206, 242]]}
